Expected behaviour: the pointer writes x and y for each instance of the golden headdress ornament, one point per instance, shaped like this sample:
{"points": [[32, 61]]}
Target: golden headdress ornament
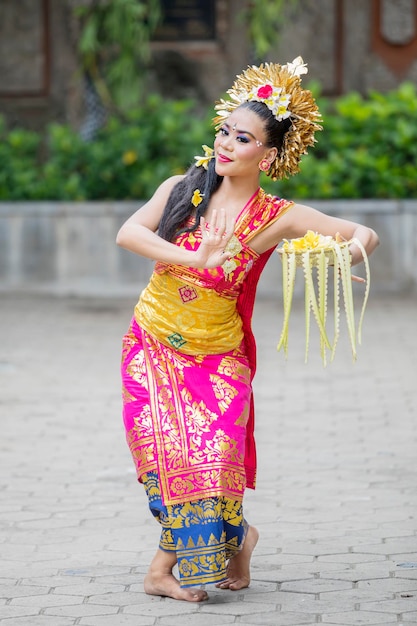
{"points": [[279, 88]]}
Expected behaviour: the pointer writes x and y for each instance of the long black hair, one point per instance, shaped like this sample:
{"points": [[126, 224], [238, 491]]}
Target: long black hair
{"points": [[179, 209]]}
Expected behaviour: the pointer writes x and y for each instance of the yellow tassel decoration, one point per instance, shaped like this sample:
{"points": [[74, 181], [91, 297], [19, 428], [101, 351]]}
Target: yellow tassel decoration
{"points": [[314, 254]]}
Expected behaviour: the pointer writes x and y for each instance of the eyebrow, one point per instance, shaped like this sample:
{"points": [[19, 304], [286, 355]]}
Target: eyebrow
{"points": [[245, 132]]}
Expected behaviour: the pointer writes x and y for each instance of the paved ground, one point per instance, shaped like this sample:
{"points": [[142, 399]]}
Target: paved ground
{"points": [[336, 503]]}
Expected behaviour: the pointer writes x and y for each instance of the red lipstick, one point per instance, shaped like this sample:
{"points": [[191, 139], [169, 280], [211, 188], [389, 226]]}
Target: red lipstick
{"points": [[223, 159]]}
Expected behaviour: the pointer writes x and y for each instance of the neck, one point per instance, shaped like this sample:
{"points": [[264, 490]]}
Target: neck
{"points": [[239, 188]]}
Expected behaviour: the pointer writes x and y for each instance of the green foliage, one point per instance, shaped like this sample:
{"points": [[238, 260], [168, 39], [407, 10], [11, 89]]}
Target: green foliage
{"points": [[127, 160], [368, 149], [265, 19], [18, 155]]}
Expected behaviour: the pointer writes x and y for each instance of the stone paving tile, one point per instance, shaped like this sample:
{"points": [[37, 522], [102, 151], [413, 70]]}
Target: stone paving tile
{"points": [[389, 584], [362, 571], [410, 574], [410, 618], [91, 588], [278, 618], [50, 599], [198, 618], [39, 620], [358, 618], [128, 580], [7, 612], [302, 571], [81, 610], [117, 620], [356, 596], [123, 598], [17, 570], [397, 606], [352, 557], [161, 609], [234, 607], [16, 591], [315, 585]]}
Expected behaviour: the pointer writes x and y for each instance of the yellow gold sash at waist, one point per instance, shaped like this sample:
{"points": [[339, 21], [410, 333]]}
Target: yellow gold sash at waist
{"points": [[192, 319]]}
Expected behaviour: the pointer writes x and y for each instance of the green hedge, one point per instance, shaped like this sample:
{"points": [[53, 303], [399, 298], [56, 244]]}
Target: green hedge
{"points": [[368, 149], [127, 160]]}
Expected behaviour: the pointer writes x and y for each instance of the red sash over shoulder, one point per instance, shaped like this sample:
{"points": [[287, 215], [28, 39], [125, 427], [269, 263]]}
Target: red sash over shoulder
{"points": [[265, 211]]}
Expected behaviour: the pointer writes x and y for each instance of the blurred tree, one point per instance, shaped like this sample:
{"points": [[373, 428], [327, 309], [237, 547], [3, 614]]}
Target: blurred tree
{"points": [[265, 18], [113, 45]]}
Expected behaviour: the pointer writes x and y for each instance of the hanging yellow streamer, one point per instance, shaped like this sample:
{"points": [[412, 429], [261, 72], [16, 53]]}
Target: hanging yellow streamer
{"points": [[320, 252]]}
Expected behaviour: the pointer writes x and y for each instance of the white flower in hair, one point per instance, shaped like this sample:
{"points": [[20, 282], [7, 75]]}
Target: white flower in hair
{"points": [[297, 67], [275, 99]]}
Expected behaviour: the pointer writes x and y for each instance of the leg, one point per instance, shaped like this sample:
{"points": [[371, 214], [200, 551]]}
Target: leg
{"points": [[238, 569], [160, 581]]}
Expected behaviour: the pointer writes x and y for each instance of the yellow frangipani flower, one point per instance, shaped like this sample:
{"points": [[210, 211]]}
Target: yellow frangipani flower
{"points": [[197, 198], [310, 241], [204, 160]]}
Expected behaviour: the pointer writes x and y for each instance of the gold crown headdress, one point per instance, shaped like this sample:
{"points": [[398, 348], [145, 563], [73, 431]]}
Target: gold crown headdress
{"points": [[279, 87]]}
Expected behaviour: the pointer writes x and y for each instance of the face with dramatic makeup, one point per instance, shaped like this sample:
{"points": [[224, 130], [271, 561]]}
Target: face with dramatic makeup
{"points": [[239, 144]]}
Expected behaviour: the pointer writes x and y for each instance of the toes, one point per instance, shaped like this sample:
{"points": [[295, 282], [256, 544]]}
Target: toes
{"points": [[198, 596]]}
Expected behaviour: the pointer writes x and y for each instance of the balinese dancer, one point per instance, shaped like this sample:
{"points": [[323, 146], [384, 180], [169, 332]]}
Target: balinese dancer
{"points": [[189, 354]]}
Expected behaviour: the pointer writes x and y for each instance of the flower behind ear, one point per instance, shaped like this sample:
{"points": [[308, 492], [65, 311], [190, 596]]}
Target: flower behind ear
{"points": [[204, 160]]}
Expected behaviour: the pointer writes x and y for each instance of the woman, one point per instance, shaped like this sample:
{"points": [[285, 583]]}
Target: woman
{"points": [[189, 355]]}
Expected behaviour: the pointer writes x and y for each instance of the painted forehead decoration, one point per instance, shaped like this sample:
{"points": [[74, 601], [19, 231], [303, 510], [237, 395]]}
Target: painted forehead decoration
{"points": [[279, 88]]}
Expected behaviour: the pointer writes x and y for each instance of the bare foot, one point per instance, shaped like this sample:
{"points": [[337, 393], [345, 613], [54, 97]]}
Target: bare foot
{"points": [[238, 569], [159, 581], [167, 585]]}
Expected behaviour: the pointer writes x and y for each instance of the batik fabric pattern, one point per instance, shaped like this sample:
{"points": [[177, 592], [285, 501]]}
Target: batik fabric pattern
{"points": [[187, 366]]}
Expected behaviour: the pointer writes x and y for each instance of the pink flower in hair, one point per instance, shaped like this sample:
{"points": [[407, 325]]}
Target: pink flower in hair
{"points": [[265, 92]]}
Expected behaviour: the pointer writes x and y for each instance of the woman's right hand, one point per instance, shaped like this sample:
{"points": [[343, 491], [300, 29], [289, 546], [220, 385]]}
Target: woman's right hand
{"points": [[215, 236]]}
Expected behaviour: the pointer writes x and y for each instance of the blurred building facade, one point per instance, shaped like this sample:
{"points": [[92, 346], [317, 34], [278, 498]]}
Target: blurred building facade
{"points": [[349, 45]]}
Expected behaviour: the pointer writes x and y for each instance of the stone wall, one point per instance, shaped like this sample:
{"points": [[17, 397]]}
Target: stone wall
{"points": [[353, 45], [69, 248]]}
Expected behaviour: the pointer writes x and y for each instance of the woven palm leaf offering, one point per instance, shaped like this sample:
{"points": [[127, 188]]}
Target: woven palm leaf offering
{"points": [[314, 254]]}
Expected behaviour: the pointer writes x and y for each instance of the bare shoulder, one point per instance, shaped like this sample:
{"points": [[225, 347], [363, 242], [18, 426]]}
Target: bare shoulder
{"points": [[169, 183], [149, 214]]}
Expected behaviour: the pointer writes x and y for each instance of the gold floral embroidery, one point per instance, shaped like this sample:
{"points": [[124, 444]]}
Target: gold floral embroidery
{"points": [[136, 369], [242, 420], [181, 486], [129, 340], [223, 391], [232, 511], [198, 418], [143, 423], [222, 448], [143, 455], [127, 396], [234, 246], [232, 368]]}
